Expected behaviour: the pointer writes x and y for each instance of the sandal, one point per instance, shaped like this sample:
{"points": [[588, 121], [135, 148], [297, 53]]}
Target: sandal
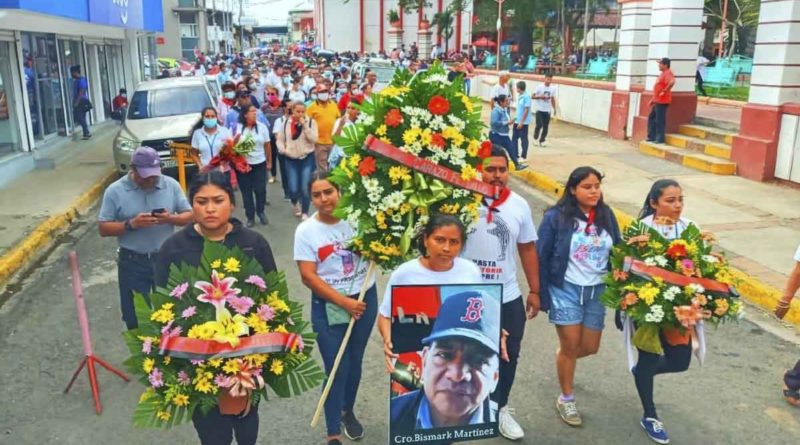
{"points": [[792, 396]]}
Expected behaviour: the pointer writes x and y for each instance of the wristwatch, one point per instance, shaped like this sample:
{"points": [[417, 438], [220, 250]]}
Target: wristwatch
{"points": [[128, 226]]}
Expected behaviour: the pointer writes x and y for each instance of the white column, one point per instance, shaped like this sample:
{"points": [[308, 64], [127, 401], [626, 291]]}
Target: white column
{"points": [[776, 63], [634, 38], [675, 32]]}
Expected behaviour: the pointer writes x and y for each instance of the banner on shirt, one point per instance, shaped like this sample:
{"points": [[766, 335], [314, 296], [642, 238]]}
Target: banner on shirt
{"points": [[447, 338]]}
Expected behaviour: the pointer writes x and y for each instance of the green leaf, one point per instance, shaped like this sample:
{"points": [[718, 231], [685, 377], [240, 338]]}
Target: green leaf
{"points": [[646, 338], [303, 377]]}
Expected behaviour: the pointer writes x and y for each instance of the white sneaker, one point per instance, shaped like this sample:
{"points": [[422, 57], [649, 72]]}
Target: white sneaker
{"points": [[542, 144], [509, 427]]}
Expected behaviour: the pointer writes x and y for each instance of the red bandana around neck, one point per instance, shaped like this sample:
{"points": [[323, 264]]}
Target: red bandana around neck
{"points": [[504, 194], [590, 220]]}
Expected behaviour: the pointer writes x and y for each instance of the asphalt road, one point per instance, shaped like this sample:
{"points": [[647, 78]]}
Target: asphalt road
{"points": [[733, 399]]}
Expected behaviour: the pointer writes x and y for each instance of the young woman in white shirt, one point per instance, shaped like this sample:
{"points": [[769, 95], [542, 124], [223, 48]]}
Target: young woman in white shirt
{"points": [[335, 276], [575, 240], [253, 184], [208, 136], [440, 243]]}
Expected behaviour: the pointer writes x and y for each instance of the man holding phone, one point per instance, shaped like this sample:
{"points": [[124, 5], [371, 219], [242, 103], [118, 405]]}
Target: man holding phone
{"points": [[141, 209]]}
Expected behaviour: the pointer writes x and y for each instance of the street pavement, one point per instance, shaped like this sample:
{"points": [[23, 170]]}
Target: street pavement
{"points": [[733, 399]]}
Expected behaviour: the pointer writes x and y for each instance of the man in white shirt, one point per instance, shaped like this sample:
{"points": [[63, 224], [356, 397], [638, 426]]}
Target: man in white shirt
{"points": [[506, 229], [544, 101], [700, 73], [275, 79], [503, 86]]}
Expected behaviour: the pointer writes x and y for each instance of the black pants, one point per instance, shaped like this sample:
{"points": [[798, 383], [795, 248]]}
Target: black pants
{"points": [[675, 359], [542, 124], [273, 171], [135, 273], [216, 428], [699, 79], [657, 123], [80, 117], [520, 135], [254, 184], [792, 377], [514, 322]]}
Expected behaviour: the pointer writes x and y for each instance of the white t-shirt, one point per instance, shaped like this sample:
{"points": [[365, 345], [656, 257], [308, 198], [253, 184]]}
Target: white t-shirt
{"points": [[588, 256], [701, 66], [260, 136], [671, 231], [323, 244], [209, 145], [413, 272], [297, 96], [501, 89], [493, 246], [278, 125], [544, 104]]}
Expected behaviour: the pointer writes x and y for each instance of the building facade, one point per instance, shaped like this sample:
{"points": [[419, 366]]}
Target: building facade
{"points": [[336, 20], [197, 25], [110, 40], [301, 22]]}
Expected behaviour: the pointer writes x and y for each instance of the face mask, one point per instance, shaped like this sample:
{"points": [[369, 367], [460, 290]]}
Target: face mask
{"points": [[323, 96], [342, 90], [230, 94], [313, 96], [252, 86], [287, 80], [209, 122], [354, 91], [238, 71]]}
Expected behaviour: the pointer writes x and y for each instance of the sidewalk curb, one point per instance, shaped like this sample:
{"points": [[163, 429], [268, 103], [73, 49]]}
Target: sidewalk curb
{"points": [[26, 251], [750, 288]]}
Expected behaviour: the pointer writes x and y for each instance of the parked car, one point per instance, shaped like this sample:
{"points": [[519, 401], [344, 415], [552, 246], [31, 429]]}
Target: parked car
{"points": [[384, 69], [160, 111]]}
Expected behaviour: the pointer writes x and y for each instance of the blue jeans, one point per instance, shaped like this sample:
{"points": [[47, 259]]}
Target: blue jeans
{"points": [[520, 135], [299, 174], [467, 86], [348, 376], [504, 141], [135, 273], [571, 304], [80, 117]]}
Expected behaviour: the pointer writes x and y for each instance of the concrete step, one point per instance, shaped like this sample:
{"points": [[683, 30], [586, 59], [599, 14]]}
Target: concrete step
{"points": [[712, 148], [708, 133], [688, 158]]}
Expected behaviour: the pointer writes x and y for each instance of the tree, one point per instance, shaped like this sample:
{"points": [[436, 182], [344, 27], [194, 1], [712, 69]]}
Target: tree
{"points": [[742, 19], [444, 26]]}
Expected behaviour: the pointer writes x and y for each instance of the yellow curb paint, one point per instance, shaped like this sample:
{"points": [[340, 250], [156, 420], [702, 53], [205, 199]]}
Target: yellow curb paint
{"points": [[23, 253], [677, 141], [718, 151], [750, 288], [652, 150], [692, 131]]}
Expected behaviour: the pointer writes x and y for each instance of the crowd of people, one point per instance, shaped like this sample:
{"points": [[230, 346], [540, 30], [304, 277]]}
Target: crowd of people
{"points": [[292, 111]]}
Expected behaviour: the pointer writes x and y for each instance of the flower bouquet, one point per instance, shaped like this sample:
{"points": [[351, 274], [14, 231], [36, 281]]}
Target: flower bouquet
{"points": [[669, 286], [218, 334], [429, 120]]}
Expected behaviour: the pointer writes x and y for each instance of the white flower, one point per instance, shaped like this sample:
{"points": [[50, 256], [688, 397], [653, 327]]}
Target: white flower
{"points": [[397, 217], [695, 288], [710, 259], [436, 123], [650, 261], [671, 293], [365, 119], [394, 200], [440, 78], [372, 211], [457, 122], [655, 315], [661, 260], [353, 216], [353, 188]]}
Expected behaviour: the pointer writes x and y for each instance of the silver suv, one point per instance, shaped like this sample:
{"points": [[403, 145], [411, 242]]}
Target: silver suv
{"points": [[160, 111]]}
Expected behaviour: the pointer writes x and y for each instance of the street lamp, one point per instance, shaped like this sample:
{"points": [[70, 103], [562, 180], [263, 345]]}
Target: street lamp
{"points": [[499, 27]]}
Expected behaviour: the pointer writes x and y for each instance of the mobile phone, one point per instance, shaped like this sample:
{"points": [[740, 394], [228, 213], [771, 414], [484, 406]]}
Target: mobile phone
{"points": [[157, 211]]}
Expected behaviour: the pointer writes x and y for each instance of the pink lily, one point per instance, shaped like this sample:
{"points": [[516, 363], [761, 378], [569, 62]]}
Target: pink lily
{"points": [[217, 291]]}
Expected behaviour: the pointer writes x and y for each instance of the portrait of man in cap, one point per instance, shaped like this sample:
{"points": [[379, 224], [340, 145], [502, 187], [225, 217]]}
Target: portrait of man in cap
{"points": [[460, 365]]}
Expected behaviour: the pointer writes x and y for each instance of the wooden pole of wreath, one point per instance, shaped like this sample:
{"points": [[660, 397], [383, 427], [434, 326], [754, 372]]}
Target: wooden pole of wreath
{"points": [[364, 287]]}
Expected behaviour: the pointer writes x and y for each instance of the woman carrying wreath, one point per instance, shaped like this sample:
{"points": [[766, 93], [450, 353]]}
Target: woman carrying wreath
{"points": [[212, 200], [335, 276], [575, 240], [662, 211]]}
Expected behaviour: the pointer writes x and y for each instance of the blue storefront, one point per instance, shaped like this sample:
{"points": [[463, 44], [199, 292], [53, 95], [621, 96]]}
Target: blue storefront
{"points": [[111, 40]]}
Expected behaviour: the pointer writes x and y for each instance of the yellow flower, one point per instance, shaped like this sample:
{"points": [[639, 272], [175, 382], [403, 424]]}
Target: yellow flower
{"points": [[256, 360], [473, 148], [201, 331], [276, 367], [405, 208], [277, 304], [426, 136], [149, 392], [381, 131], [163, 415], [232, 265], [655, 245], [163, 315], [216, 264], [147, 365], [380, 220], [648, 293], [399, 173], [393, 91], [454, 135], [256, 323], [167, 360], [722, 307], [449, 209], [354, 160], [180, 400], [411, 135], [215, 362], [231, 367], [467, 103], [204, 385], [468, 172], [385, 140], [281, 329]]}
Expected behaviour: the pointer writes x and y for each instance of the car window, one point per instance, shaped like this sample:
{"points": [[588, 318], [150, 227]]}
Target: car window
{"points": [[384, 74], [213, 86], [149, 104]]}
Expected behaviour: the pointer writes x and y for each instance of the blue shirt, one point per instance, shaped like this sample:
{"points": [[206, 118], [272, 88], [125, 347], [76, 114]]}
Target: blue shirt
{"points": [[80, 84], [233, 118], [524, 102], [499, 120], [124, 200]]}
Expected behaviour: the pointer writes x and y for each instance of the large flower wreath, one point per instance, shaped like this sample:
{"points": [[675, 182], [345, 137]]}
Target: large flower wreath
{"points": [[430, 118], [221, 331], [669, 285]]}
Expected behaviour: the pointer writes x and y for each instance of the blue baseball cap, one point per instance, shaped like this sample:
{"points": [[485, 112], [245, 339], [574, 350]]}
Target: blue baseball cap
{"points": [[470, 314]]}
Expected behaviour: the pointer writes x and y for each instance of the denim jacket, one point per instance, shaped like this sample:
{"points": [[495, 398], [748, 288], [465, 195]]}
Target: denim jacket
{"points": [[499, 120], [555, 238]]}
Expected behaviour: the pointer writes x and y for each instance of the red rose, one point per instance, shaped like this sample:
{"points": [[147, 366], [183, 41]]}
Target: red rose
{"points": [[479, 167], [438, 105], [393, 118], [486, 150], [367, 166], [437, 140]]}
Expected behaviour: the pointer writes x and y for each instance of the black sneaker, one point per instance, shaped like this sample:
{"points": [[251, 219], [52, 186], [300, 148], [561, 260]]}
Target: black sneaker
{"points": [[334, 442], [262, 218], [352, 427], [250, 223]]}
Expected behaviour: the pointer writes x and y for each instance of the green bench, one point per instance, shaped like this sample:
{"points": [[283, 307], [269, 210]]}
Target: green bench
{"points": [[490, 62], [720, 77], [531, 65], [597, 69]]}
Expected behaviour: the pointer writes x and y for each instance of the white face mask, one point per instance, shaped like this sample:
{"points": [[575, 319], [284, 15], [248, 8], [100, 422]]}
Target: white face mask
{"points": [[323, 96]]}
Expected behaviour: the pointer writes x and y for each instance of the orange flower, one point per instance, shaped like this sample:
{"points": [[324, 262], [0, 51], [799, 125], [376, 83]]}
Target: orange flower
{"points": [[486, 150], [620, 275], [628, 300], [689, 315], [722, 307], [367, 166], [699, 300], [677, 250], [438, 105], [393, 118], [437, 140]]}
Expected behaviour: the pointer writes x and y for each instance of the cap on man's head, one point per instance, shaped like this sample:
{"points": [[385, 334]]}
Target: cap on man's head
{"points": [[472, 315], [146, 161], [665, 61]]}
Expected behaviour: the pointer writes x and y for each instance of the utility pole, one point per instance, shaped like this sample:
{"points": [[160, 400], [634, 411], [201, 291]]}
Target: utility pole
{"points": [[585, 33], [214, 24], [241, 27], [499, 29]]}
